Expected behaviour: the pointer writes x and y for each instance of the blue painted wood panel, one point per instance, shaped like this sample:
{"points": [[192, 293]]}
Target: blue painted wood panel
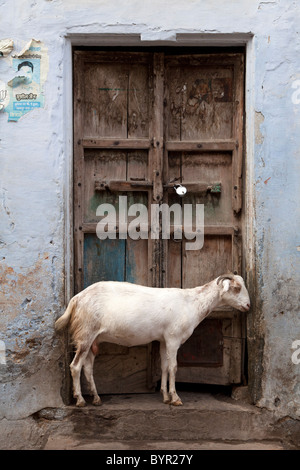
{"points": [[115, 260], [103, 260]]}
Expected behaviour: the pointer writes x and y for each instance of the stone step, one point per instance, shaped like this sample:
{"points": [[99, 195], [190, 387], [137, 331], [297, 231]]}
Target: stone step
{"points": [[203, 418], [68, 443]]}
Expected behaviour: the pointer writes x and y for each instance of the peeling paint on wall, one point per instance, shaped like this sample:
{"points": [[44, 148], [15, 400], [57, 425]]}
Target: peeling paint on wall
{"points": [[2, 353], [26, 323], [259, 119]]}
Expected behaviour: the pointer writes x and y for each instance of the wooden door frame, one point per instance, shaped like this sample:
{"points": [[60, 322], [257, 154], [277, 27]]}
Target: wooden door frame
{"points": [[248, 219]]}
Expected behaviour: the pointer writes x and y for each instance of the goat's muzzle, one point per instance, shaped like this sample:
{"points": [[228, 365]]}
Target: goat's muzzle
{"points": [[245, 308]]}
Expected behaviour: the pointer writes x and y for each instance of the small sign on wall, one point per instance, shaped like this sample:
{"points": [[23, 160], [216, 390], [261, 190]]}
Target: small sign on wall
{"points": [[24, 92]]}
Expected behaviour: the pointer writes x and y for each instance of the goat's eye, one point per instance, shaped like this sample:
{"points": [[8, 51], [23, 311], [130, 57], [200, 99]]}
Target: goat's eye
{"points": [[237, 289]]}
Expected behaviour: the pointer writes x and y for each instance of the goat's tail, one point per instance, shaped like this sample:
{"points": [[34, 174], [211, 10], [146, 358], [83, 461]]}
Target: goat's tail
{"points": [[63, 321]]}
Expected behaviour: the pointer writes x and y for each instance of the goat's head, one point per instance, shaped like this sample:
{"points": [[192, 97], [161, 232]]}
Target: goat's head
{"points": [[234, 292]]}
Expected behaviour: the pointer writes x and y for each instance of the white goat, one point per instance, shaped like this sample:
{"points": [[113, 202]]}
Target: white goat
{"points": [[132, 315]]}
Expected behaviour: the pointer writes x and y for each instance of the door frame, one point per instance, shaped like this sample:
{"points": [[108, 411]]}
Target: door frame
{"points": [[248, 218]]}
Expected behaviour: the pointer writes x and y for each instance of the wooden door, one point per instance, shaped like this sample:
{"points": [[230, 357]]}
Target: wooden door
{"points": [[204, 151], [142, 122]]}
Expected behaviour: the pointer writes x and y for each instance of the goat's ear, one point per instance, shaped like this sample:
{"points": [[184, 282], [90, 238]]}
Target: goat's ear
{"points": [[231, 284], [226, 285]]}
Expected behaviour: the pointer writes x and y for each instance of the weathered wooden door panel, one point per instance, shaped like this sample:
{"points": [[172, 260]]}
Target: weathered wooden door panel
{"points": [[204, 347], [201, 99], [208, 178], [101, 167], [101, 260], [222, 334], [142, 123], [120, 370], [116, 97], [112, 145], [189, 268], [203, 114]]}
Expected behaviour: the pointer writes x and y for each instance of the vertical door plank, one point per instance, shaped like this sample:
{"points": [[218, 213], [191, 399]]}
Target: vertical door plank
{"points": [[238, 126], [174, 92], [174, 263], [136, 261], [156, 160], [174, 247], [78, 172], [138, 102], [156, 127]]}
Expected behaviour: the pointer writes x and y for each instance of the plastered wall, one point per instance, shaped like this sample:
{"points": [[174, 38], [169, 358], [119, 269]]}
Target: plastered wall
{"points": [[35, 175]]}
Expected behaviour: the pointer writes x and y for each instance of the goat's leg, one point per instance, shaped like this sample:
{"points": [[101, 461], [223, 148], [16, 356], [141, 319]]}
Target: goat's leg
{"points": [[75, 367], [88, 372], [172, 365], [164, 372]]}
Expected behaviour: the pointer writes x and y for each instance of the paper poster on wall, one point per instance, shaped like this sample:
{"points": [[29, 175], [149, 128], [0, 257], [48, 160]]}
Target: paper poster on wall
{"points": [[25, 90], [4, 96], [6, 46]]}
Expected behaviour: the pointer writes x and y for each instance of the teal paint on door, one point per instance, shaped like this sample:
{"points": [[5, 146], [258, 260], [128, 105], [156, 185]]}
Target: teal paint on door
{"points": [[103, 260]]}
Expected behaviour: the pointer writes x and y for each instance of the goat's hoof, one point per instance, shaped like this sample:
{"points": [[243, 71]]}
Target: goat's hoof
{"points": [[80, 403], [176, 403], [166, 397], [97, 401]]}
